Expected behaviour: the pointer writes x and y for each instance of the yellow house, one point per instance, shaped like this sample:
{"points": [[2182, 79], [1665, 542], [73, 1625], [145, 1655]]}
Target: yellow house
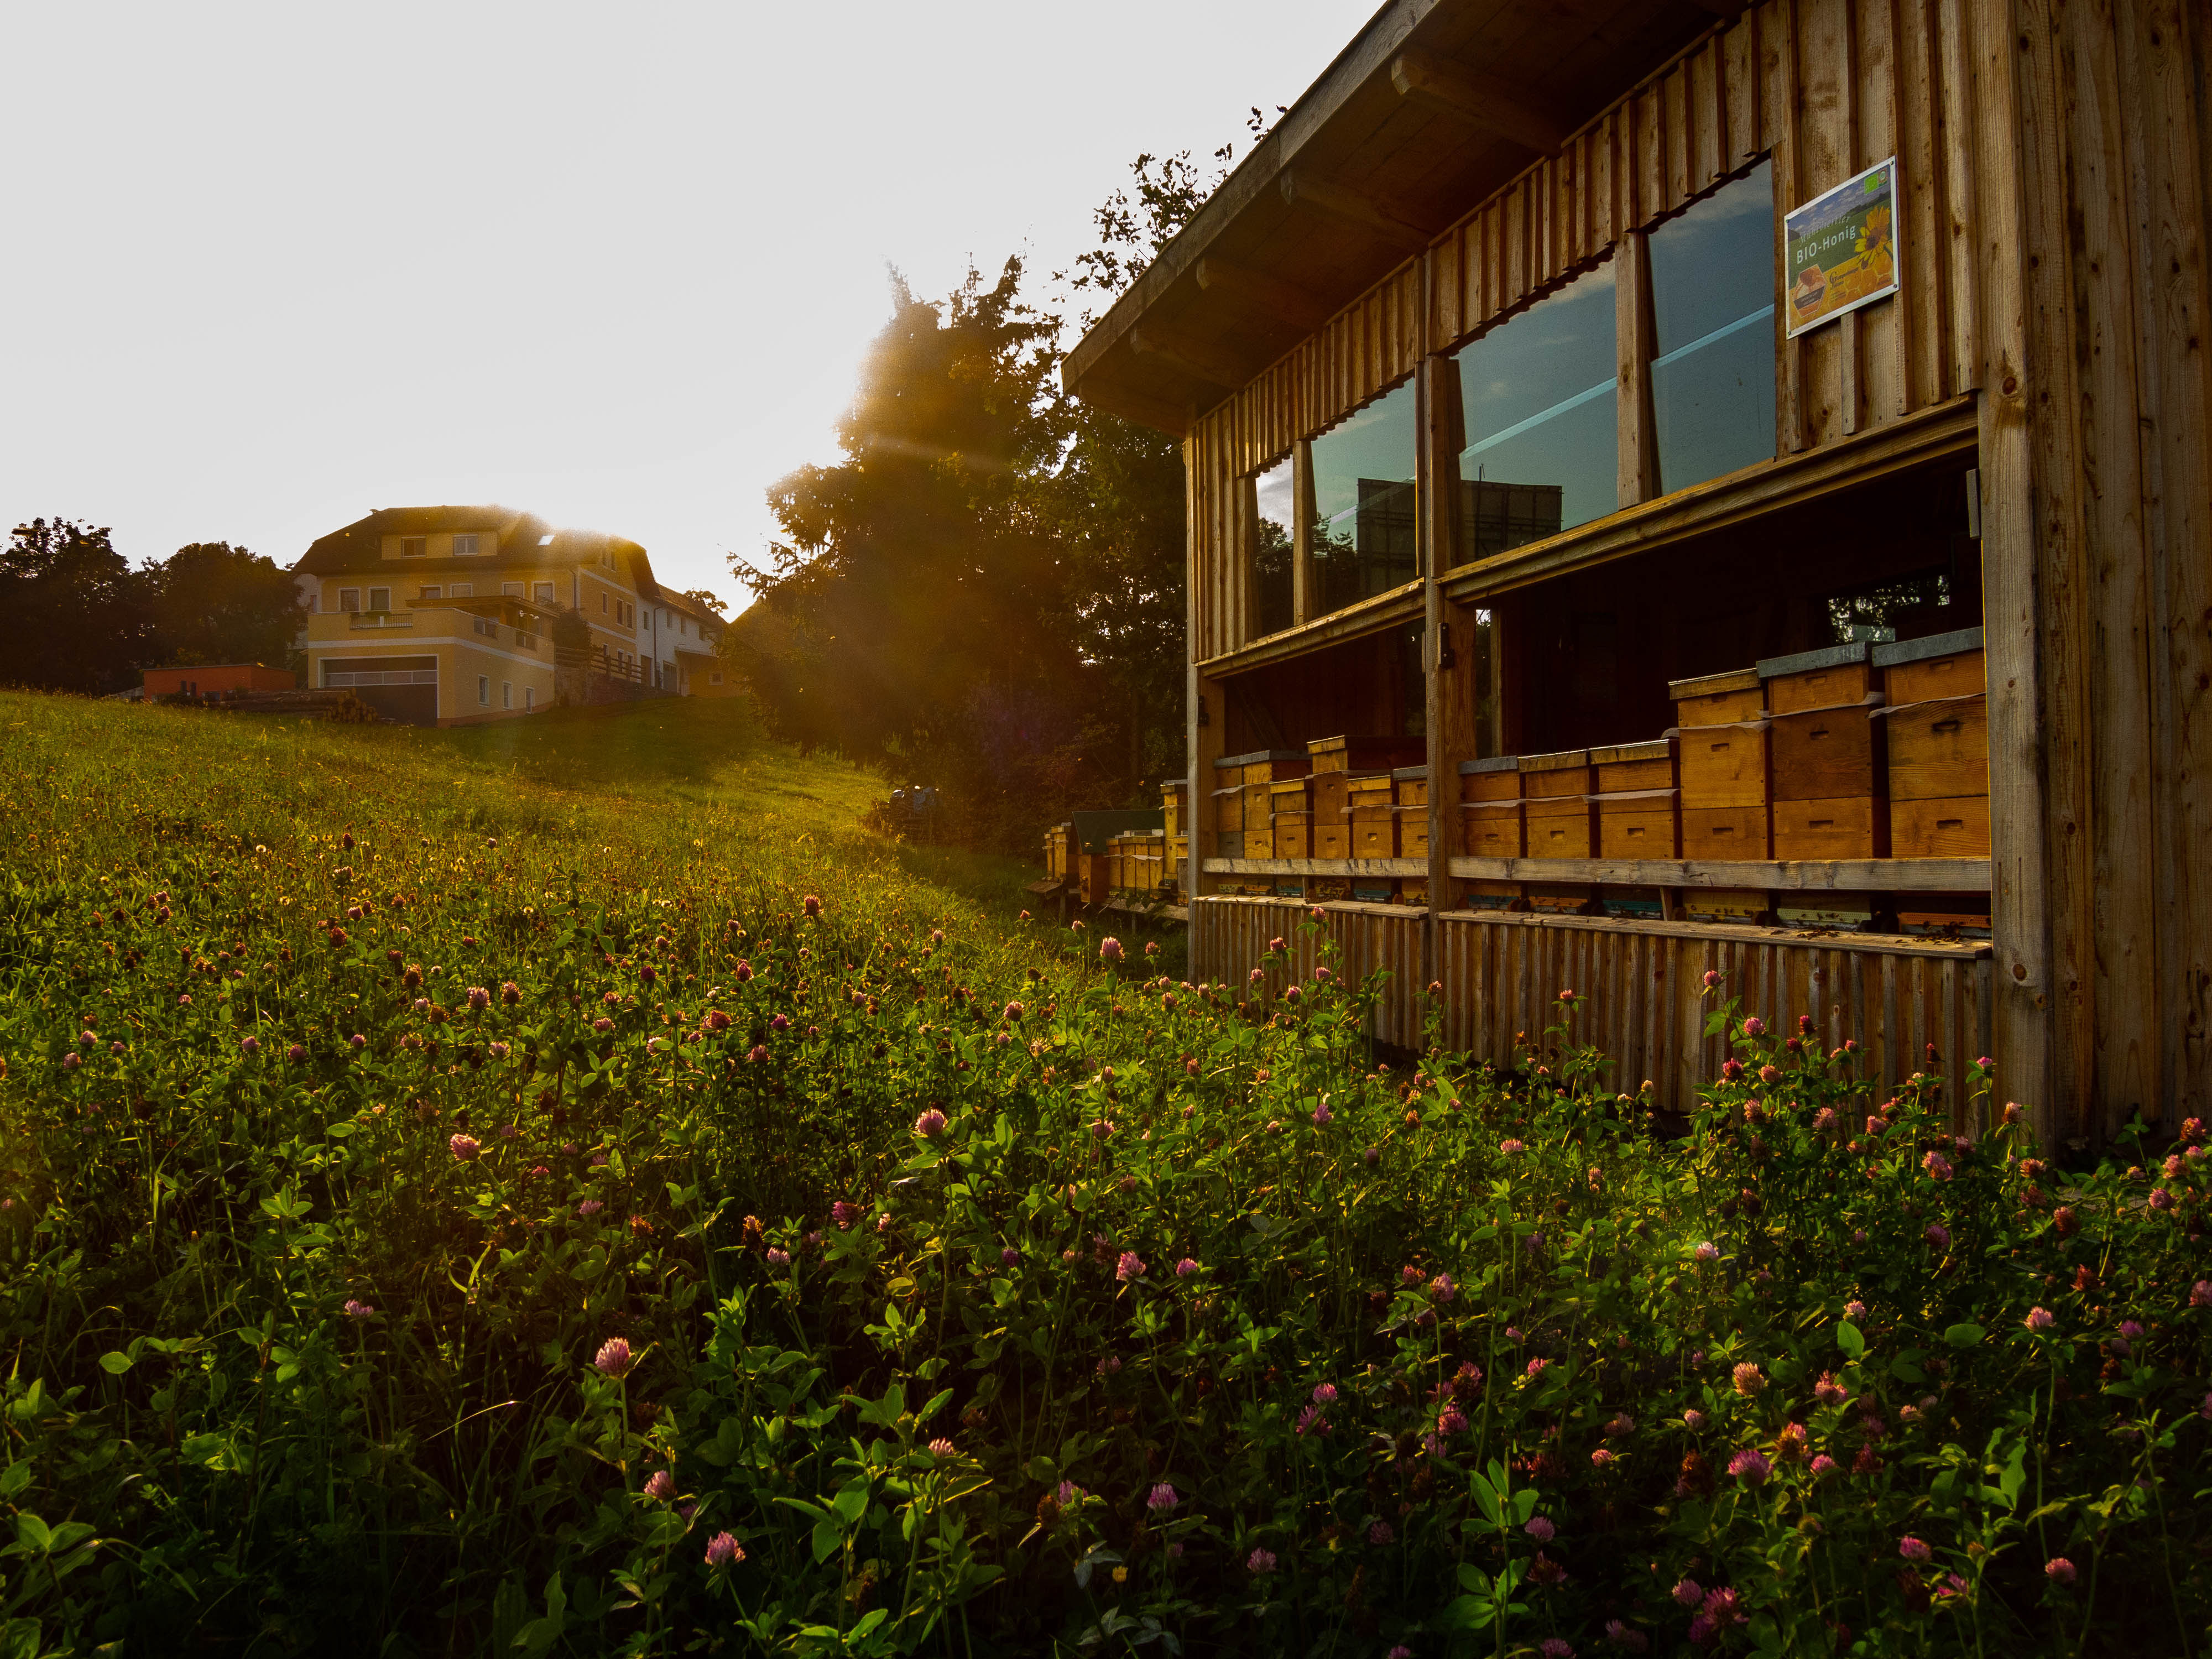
{"points": [[444, 615]]}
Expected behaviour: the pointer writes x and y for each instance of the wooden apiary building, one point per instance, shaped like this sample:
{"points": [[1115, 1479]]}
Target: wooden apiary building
{"points": [[1715, 486]]}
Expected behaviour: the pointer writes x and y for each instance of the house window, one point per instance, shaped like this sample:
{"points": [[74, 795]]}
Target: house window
{"points": [[464, 547], [1275, 523], [483, 690], [507, 693], [414, 547], [464, 590], [1543, 449], [1712, 307], [714, 677], [314, 603], [379, 599], [529, 698], [1363, 493], [349, 598], [603, 604], [434, 593], [544, 591], [512, 590]]}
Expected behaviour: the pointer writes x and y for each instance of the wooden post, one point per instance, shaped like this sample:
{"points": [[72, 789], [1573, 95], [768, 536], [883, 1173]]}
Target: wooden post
{"points": [[1450, 654], [1633, 332], [1305, 604]]}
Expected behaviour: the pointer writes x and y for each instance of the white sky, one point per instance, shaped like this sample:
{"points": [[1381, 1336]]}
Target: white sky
{"points": [[274, 266]]}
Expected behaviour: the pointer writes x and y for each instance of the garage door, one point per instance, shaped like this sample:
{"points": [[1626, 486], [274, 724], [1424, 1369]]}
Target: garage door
{"points": [[403, 689]]}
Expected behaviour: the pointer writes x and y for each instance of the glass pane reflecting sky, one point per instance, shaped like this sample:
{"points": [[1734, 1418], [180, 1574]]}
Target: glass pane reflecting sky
{"points": [[1364, 524], [1541, 410], [1271, 549], [1713, 297]]}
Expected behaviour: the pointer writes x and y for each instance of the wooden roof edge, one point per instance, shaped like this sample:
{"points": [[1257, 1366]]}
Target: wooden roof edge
{"points": [[1365, 57]]}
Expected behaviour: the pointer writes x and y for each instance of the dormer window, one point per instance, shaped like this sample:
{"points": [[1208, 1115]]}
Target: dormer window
{"points": [[464, 547], [545, 540], [414, 547]]}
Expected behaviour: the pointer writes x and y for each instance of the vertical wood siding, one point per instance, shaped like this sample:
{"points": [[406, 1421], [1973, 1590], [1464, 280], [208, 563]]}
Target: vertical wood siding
{"points": [[1641, 996], [1229, 937], [1826, 87]]}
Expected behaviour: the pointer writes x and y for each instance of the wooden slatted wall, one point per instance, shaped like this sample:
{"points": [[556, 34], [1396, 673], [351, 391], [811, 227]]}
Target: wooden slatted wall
{"points": [[1825, 87], [1230, 936], [1642, 999]]}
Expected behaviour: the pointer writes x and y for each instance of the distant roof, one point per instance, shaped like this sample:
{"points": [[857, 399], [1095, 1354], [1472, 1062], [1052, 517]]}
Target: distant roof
{"points": [[523, 539]]}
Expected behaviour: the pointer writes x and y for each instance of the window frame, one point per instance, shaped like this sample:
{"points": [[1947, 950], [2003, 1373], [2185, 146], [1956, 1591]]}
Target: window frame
{"points": [[483, 690], [349, 601], [464, 546], [376, 610], [414, 547]]}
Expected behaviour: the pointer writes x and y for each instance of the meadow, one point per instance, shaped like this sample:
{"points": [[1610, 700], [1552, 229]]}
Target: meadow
{"points": [[564, 1188]]}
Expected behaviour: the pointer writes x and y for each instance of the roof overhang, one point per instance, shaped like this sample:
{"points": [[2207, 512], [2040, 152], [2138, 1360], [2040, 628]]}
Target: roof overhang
{"points": [[1434, 107]]}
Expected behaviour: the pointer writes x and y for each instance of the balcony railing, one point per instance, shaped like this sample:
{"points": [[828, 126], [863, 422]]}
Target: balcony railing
{"points": [[379, 618]]}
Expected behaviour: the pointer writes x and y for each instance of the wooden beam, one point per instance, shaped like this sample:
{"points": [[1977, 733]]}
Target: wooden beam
{"points": [[1925, 436], [1480, 101], [1733, 933], [1385, 220], [1158, 413], [1194, 357], [1635, 334], [1304, 607], [1824, 876], [1376, 867], [1383, 610], [1286, 302]]}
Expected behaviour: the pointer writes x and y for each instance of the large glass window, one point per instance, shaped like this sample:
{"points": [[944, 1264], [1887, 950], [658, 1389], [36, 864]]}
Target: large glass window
{"points": [[1712, 300], [1539, 395], [1273, 527], [1363, 491]]}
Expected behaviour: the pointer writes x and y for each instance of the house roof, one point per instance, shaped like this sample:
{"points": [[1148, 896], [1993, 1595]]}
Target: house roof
{"points": [[524, 541], [1431, 108]]}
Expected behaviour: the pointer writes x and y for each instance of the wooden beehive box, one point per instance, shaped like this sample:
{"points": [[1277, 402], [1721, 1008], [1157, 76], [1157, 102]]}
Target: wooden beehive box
{"points": [[1373, 823], [1638, 807], [1721, 765], [1174, 804], [1151, 861], [1336, 761], [1409, 797], [1490, 812], [1556, 816], [1096, 876], [1291, 818], [1178, 853], [1938, 721], [1731, 904], [1825, 750], [1261, 771]]}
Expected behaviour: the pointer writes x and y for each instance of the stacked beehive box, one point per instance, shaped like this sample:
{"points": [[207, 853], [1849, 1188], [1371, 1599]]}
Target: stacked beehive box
{"points": [[1059, 851], [1491, 825], [1290, 817], [1409, 805], [1938, 730], [1826, 754], [1560, 821], [1721, 765], [1174, 804], [1243, 801], [1638, 816], [1337, 761]]}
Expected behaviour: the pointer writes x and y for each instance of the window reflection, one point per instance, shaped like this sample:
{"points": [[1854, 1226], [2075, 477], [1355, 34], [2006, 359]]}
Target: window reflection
{"points": [[1712, 300], [1542, 454], [1363, 516], [1272, 528]]}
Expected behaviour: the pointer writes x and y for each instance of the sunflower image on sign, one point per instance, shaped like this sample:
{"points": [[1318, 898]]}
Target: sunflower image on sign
{"points": [[1842, 248]]}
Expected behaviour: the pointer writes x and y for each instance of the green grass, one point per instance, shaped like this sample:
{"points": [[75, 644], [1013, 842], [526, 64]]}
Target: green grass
{"points": [[566, 1188]]}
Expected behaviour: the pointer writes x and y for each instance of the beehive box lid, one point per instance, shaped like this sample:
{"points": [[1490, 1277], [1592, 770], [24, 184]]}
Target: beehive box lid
{"points": [[1712, 686], [1557, 762], [1096, 829], [1369, 783], [1494, 763], [1657, 749], [1410, 774], [1324, 745], [1935, 645], [1259, 754], [1288, 787], [1176, 786], [1808, 662], [1154, 835]]}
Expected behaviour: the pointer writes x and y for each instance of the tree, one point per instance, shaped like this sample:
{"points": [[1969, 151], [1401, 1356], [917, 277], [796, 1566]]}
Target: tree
{"points": [[705, 600], [77, 612], [212, 602]]}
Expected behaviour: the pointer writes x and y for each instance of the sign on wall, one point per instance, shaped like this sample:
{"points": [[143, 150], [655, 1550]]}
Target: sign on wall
{"points": [[1842, 248]]}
